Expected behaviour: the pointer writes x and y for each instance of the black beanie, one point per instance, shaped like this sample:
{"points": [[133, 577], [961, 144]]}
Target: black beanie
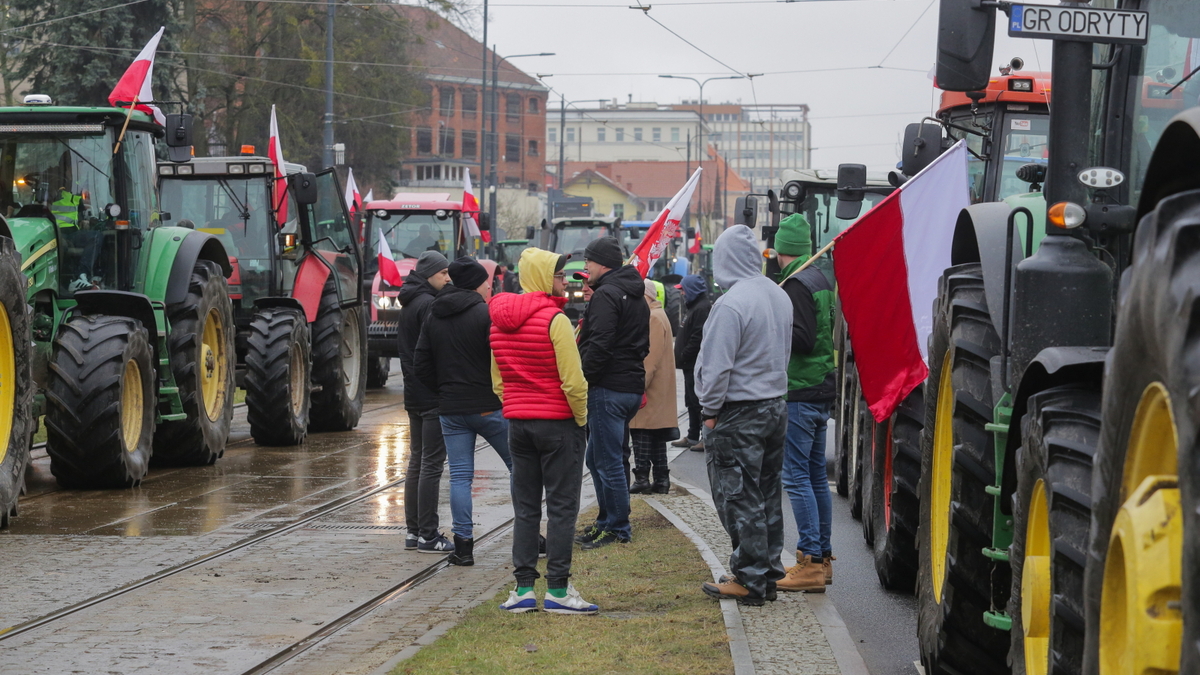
{"points": [[467, 274], [604, 251]]}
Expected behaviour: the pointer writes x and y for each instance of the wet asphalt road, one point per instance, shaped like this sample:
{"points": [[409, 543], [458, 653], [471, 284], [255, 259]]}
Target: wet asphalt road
{"points": [[883, 623]]}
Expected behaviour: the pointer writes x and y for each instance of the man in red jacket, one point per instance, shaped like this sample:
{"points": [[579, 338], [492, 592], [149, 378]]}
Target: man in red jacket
{"points": [[539, 379]]}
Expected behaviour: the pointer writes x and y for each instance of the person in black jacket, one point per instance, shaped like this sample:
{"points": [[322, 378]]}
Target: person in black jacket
{"points": [[687, 348], [614, 340], [427, 452], [454, 359]]}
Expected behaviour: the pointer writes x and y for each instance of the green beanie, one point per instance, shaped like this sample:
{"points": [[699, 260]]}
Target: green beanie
{"points": [[794, 237]]}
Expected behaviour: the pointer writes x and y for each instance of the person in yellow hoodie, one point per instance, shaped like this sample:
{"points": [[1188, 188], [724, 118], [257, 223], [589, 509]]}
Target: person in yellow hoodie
{"points": [[536, 372]]}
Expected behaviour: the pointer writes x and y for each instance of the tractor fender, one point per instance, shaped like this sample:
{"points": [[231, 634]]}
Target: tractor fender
{"points": [[183, 247], [1172, 167], [310, 283], [121, 303], [1052, 367], [276, 301], [979, 236]]}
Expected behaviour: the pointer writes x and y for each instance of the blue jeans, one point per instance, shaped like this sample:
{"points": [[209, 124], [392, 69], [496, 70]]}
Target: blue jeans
{"points": [[609, 414], [804, 476], [460, 432]]}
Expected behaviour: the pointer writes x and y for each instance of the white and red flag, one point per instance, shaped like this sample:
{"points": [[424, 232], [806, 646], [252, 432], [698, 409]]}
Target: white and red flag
{"points": [[664, 228], [353, 198], [387, 264], [887, 267], [470, 209], [134, 85], [370, 196], [275, 152]]}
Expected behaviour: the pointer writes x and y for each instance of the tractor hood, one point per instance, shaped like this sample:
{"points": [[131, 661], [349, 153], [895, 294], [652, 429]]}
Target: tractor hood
{"points": [[37, 243]]}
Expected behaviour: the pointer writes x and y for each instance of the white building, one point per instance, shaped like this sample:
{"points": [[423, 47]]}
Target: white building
{"points": [[630, 132], [758, 141]]}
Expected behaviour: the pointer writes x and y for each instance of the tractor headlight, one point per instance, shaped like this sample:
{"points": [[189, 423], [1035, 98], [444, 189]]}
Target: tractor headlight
{"points": [[383, 302]]}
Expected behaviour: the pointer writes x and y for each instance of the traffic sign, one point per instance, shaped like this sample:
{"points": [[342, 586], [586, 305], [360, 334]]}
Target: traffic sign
{"points": [[1079, 23]]}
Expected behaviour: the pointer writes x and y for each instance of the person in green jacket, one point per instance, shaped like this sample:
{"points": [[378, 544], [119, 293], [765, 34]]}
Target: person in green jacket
{"points": [[811, 392]]}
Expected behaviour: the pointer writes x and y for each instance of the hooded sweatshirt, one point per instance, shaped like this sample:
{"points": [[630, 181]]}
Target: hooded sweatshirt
{"points": [[748, 335], [416, 296], [453, 356], [691, 331], [535, 363], [615, 335]]}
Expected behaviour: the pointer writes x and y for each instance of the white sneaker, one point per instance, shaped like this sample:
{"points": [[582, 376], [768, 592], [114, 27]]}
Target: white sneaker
{"points": [[518, 604], [572, 604], [82, 284]]}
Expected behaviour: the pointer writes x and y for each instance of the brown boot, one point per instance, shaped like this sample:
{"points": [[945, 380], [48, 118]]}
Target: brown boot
{"points": [[807, 576], [828, 565], [730, 589]]}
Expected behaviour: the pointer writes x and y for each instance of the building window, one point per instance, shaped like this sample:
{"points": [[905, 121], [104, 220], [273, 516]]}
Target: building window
{"points": [[469, 140], [619, 210], [620, 134], [674, 134], [512, 147], [424, 141], [512, 107], [512, 180], [446, 101], [470, 104], [656, 134], [602, 134], [637, 134], [714, 136], [534, 106], [430, 172], [552, 134], [570, 134], [533, 148], [447, 142]]}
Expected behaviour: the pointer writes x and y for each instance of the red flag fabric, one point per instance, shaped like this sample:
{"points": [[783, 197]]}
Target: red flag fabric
{"points": [[470, 210], [887, 267], [664, 228], [353, 198], [275, 152], [387, 264], [134, 85]]}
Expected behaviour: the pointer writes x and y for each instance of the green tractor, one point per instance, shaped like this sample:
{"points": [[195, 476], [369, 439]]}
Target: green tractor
{"points": [[17, 422], [1059, 528], [301, 338], [132, 329]]}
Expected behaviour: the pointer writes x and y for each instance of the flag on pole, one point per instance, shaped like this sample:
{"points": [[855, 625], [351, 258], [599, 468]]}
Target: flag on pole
{"points": [[664, 228], [697, 242], [134, 85], [387, 264], [887, 267], [370, 196], [470, 209], [275, 152], [353, 198]]}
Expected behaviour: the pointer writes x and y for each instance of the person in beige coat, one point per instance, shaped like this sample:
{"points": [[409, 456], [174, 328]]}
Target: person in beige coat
{"points": [[657, 422]]}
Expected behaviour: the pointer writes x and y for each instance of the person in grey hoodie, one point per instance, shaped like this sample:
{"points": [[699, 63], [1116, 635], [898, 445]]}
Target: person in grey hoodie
{"points": [[741, 381]]}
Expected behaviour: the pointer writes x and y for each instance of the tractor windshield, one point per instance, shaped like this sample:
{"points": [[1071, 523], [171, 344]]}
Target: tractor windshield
{"points": [[48, 168], [509, 252], [409, 233], [574, 238], [1024, 140]]}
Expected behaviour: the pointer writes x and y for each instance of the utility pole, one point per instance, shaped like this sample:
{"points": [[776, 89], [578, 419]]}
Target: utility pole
{"points": [[483, 107], [562, 140], [329, 12]]}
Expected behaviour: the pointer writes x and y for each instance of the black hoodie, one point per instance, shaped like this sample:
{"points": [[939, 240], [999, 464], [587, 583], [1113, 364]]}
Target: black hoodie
{"points": [[416, 296], [691, 333], [615, 337], [454, 357]]}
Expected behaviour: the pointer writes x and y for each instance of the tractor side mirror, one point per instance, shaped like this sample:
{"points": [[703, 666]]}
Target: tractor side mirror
{"points": [[745, 211], [851, 181], [485, 222], [530, 231], [287, 246], [966, 34], [179, 137], [304, 188], [922, 145]]}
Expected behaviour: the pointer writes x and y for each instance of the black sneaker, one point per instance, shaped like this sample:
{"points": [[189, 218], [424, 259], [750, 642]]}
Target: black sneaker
{"points": [[439, 545], [588, 535], [604, 539]]}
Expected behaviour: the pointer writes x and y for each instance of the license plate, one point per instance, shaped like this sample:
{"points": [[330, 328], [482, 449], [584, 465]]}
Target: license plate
{"points": [[1086, 24]]}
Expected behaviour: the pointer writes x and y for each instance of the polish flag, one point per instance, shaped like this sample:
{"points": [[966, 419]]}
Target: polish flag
{"points": [[664, 228], [470, 209], [387, 264], [275, 152], [134, 85], [370, 196], [887, 267], [353, 198]]}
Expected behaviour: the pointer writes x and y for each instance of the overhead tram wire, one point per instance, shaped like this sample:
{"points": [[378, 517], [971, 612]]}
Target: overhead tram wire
{"points": [[70, 16]]}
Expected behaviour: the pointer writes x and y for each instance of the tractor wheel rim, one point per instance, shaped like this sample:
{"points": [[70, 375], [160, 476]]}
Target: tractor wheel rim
{"points": [[941, 475], [1141, 619], [350, 352], [8, 381], [132, 406], [298, 379], [214, 362], [1035, 584]]}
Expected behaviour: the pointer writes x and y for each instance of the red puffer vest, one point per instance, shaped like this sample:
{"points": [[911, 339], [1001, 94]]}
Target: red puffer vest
{"points": [[521, 344]]}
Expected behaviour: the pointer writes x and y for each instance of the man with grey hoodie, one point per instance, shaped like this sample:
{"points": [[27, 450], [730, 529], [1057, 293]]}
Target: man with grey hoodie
{"points": [[741, 381]]}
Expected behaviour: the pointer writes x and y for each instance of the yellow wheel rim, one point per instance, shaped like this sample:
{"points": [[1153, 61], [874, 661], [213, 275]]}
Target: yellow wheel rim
{"points": [[297, 379], [132, 405], [1035, 584], [939, 490], [1141, 623], [8, 381], [213, 365]]}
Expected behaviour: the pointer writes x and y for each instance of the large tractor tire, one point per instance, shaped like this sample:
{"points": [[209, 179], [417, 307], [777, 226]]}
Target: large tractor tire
{"points": [[16, 382], [378, 370], [896, 474], [202, 360], [101, 401], [1051, 517], [860, 449], [278, 375], [1142, 585], [956, 580], [339, 364], [847, 426]]}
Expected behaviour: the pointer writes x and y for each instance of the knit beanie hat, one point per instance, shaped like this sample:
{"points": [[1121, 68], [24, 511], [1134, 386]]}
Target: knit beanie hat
{"points": [[467, 274], [651, 289], [430, 263], [794, 237], [604, 251]]}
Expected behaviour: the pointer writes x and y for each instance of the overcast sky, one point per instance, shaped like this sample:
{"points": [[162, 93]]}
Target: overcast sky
{"points": [[606, 50]]}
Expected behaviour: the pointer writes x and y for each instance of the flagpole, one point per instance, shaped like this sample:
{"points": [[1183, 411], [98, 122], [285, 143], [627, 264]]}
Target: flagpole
{"points": [[125, 126], [810, 261]]}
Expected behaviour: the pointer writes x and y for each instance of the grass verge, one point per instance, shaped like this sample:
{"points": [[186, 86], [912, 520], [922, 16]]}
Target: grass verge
{"points": [[653, 617]]}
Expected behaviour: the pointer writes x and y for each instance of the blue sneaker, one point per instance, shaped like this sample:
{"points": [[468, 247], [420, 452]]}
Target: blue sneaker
{"points": [[410, 541], [439, 545], [519, 604], [572, 604]]}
